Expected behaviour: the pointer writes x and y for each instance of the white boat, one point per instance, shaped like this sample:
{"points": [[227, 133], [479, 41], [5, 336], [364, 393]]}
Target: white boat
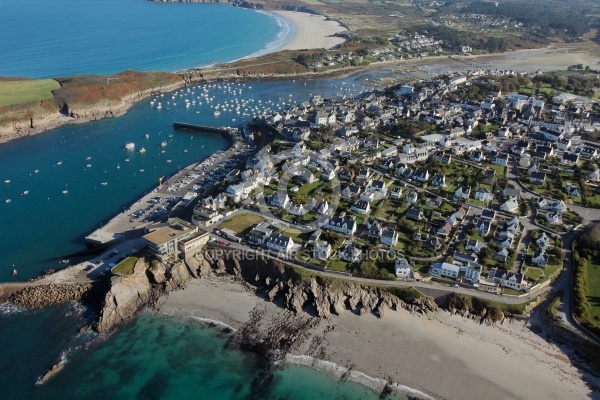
{"points": [[147, 136], [14, 272], [36, 171], [65, 191], [88, 158], [127, 160], [163, 143], [59, 163], [130, 146], [141, 170], [169, 161], [104, 183], [118, 166], [7, 181], [89, 165], [7, 201], [217, 113], [142, 150], [26, 192]]}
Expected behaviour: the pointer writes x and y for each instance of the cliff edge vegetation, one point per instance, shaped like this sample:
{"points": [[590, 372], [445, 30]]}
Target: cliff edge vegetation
{"points": [[32, 106]]}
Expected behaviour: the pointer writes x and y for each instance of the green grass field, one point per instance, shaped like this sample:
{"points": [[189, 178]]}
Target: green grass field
{"points": [[125, 267], [593, 279], [23, 91], [242, 223]]}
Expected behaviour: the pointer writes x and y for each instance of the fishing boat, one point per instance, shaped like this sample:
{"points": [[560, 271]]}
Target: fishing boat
{"points": [[142, 150], [130, 146]]}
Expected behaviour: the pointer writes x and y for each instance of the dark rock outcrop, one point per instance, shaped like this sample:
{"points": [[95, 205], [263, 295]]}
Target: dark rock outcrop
{"points": [[130, 294], [325, 295]]}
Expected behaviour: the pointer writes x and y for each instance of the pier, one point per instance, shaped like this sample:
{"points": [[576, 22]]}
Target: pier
{"points": [[228, 133]]}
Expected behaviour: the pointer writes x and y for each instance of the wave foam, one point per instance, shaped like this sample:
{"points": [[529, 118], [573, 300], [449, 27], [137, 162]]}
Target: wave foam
{"points": [[339, 372]]}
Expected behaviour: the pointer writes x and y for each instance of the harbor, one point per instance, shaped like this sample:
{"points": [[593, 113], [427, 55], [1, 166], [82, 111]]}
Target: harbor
{"points": [[172, 197]]}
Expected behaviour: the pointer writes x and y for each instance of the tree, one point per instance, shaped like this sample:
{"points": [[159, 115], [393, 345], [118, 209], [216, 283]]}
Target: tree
{"points": [[523, 208]]}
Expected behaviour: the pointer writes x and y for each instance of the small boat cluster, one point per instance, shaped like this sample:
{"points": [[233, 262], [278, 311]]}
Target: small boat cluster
{"points": [[238, 101]]}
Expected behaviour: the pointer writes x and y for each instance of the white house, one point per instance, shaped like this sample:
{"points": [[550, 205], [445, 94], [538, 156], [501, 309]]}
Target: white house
{"points": [[510, 205], [483, 194], [279, 243], [463, 192], [344, 225], [281, 200], [445, 269], [540, 258], [412, 197], [361, 207], [501, 159], [389, 237], [554, 218], [322, 250], [543, 241], [506, 278], [403, 269]]}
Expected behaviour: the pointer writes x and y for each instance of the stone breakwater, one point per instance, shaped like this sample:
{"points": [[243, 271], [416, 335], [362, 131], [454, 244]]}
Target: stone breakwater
{"points": [[49, 294]]}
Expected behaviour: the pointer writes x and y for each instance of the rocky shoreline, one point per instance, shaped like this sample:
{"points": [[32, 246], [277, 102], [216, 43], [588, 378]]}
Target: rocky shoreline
{"points": [[282, 313]]}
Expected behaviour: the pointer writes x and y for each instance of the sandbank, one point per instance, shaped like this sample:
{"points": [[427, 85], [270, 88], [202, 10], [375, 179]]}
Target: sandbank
{"points": [[311, 31], [447, 357]]}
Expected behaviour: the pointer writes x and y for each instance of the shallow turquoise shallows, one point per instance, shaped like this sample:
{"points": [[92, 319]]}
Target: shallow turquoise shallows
{"points": [[42, 38], [156, 357]]}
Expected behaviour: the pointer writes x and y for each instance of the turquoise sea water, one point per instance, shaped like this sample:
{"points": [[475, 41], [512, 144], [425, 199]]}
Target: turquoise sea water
{"points": [[42, 38], [155, 357]]}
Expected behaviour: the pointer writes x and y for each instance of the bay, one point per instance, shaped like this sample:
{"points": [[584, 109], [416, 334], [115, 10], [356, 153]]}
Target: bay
{"points": [[40, 38]]}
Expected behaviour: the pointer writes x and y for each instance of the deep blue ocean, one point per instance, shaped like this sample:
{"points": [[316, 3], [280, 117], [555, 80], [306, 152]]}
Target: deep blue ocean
{"points": [[49, 38], [155, 357]]}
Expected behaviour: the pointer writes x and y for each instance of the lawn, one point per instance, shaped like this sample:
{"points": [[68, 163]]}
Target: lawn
{"points": [[593, 278], [534, 273], [125, 267], [338, 265], [310, 189], [242, 223], [498, 168], [22, 91]]}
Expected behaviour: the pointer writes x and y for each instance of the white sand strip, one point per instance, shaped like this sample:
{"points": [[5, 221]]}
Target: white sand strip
{"points": [[312, 31]]}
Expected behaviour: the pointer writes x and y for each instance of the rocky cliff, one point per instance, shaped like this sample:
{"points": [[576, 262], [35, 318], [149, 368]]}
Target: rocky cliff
{"points": [[300, 290], [130, 294]]}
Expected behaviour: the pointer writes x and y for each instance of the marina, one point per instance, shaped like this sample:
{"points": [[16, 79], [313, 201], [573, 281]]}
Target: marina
{"points": [[171, 198]]}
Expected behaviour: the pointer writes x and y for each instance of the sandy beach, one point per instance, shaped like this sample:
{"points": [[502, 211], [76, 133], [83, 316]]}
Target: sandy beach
{"points": [[312, 31], [447, 357]]}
